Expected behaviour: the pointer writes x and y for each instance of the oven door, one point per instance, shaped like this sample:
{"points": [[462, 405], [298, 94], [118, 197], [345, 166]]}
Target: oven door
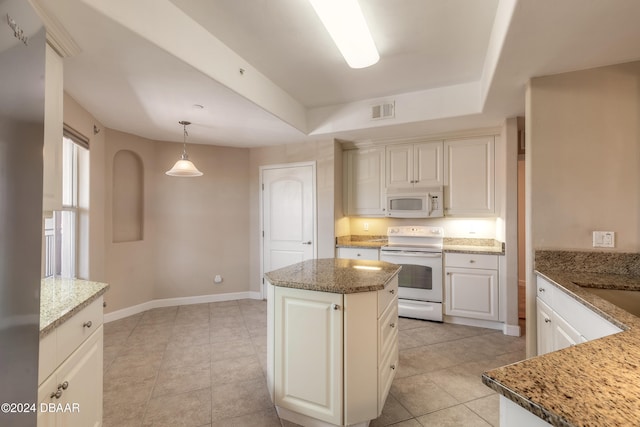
{"points": [[421, 275]]}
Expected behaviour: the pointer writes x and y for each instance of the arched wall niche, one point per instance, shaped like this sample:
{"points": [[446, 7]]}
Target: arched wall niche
{"points": [[128, 197]]}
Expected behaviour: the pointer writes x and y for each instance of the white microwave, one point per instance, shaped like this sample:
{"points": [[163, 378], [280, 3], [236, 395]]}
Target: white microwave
{"points": [[414, 203]]}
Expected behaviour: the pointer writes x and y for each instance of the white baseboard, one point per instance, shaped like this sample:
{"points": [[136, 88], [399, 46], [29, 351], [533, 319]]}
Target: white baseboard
{"points": [[512, 330], [171, 302]]}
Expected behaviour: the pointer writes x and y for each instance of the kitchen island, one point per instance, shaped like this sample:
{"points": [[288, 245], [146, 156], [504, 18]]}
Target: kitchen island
{"points": [[596, 382], [332, 340]]}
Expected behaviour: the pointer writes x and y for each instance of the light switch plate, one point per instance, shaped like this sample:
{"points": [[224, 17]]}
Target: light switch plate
{"points": [[604, 239]]}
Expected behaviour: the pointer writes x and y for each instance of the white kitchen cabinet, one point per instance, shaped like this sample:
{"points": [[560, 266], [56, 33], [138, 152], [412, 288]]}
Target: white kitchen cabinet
{"points": [[53, 124], [334, 355], [71, 372], [472, 286], [358, 253], [470, 177], [562, 321], [364, 178], [414, 165]]}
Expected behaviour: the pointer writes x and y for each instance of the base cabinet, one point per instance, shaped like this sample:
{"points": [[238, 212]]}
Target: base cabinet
{"points": [[562, 321], [471, 286], [331, 357], [71, 394]]}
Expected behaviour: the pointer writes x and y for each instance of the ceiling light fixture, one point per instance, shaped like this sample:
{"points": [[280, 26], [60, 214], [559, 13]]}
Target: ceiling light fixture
{"points": [[184, 166], [345, 23]]}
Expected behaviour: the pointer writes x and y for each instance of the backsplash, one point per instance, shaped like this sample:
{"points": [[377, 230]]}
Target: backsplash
{"points": [[589, 262]]}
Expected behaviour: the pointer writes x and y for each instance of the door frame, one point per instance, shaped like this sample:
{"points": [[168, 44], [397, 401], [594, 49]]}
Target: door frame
{"points": [[263, 292]]}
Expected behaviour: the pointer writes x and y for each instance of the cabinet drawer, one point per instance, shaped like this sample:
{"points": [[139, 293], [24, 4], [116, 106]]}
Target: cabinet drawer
{"points": [[388, 327], [386, 374], [388, 294], [47, 361], [78, 328], [544, 290], [358, 253], [471, 261]]}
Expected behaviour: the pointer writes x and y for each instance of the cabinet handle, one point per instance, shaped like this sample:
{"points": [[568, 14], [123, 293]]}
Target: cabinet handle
{"points": [[392, 291], [307, 242], [358, 255], [336, 307], [87, 324], [63, 386], [472, 261], [393, 366], [393, 325], [547, 320], [57, 394], [541, 289]]}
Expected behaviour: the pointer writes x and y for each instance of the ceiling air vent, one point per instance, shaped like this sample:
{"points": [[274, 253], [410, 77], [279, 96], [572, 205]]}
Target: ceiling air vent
{"points": [[383, 111]]}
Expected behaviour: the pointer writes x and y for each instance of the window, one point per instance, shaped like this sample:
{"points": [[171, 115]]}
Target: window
{"points": [[62, 230]]}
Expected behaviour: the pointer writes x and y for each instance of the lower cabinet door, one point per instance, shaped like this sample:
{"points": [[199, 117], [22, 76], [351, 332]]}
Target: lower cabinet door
{"points": [[472, 293], [72, 395], [308, 353], [544, 319]]}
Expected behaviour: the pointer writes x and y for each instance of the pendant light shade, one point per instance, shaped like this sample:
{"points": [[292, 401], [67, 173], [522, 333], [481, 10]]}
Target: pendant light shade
{"points": [[184, 166]]}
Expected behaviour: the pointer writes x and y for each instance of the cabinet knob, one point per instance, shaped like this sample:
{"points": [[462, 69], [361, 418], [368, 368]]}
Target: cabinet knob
{"points": [[472, 261], [307, 242], [393, 325], [547, 320], [392, 291], [63, 386], [336, 307], [57, 394], [393, 366], [358, 254], [87, 324], [541, 289]]}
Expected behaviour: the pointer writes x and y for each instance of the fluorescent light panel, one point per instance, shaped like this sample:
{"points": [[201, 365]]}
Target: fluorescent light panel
{"points": [[345, 23]]}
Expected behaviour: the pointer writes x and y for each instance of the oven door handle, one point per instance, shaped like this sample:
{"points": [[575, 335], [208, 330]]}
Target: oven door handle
{"points": [[411, 254]]}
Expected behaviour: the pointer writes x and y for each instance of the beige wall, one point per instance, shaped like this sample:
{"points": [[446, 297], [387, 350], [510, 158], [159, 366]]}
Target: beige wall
{"points": [[584, 143], [201, 224], [323, 152]]}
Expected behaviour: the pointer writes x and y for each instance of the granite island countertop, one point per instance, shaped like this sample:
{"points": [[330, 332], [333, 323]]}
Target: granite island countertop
{"points": [[60, 299], [596, 383], [336, 275]]}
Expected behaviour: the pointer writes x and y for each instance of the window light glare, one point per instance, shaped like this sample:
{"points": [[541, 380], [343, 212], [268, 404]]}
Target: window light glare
{"points": [[345, 23]]}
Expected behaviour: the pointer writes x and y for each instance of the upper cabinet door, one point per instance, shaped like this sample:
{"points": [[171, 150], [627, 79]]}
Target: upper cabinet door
{"points": [[470, 177], [414, 165], [364, 172], [52, 168]]}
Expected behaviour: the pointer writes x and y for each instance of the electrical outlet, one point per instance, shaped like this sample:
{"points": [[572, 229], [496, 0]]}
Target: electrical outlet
{"points": [[604, 239], [366, 226]]}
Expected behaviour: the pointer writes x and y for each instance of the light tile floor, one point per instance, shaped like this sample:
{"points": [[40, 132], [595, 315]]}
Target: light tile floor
{"points": [[204, 365]]}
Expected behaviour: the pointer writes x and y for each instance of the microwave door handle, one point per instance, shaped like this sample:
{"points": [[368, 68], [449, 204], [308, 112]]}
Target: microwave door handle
{"points": [[430, 202]]}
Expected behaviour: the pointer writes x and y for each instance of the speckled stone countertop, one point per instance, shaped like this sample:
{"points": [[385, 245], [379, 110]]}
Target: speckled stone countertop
{"points": [[62, 298], [473, 246], [450, 244], [596, 383], [358, 241], [336, 275]]}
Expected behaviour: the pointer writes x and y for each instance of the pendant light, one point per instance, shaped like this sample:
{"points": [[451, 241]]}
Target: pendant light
{"points": [[184, 166]]}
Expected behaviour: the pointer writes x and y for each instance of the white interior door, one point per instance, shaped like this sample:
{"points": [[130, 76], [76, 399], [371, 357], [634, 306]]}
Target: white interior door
{"points": [[288, 215]]}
